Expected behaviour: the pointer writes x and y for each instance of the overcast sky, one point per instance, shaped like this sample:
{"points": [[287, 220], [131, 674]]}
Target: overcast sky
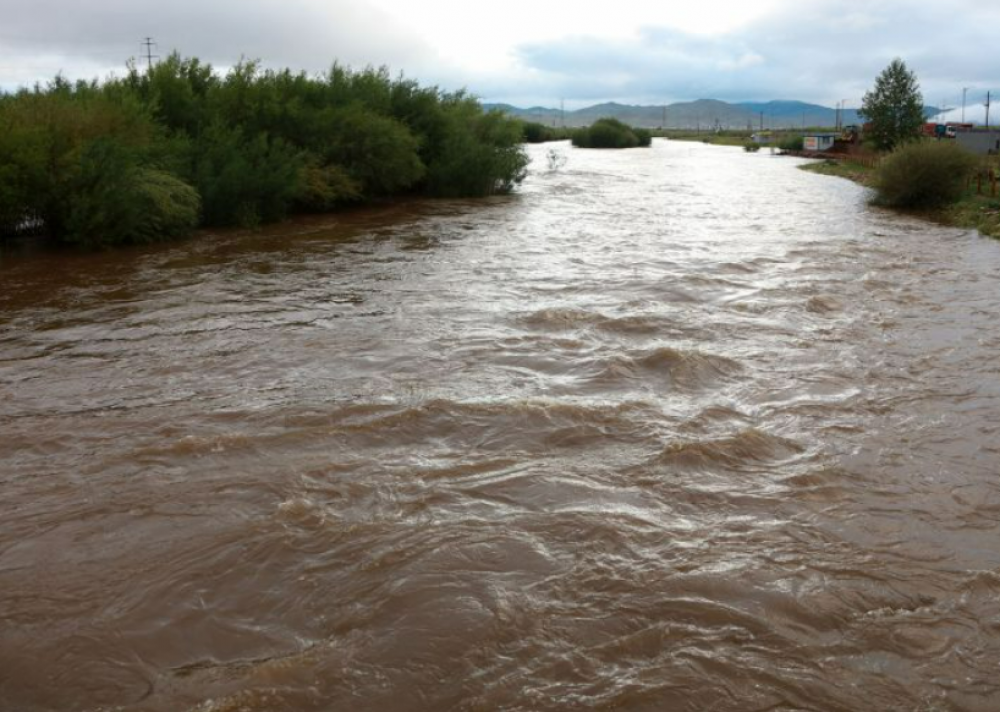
{"points": [[529, 52]]}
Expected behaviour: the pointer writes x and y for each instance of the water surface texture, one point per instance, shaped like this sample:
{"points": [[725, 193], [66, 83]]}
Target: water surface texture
{"points": [[671, 429]]}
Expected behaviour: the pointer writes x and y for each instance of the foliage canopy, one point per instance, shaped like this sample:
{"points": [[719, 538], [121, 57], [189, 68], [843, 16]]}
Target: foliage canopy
{"points": [[925, 174], [158, 152], [611, 133], [894, 107]]}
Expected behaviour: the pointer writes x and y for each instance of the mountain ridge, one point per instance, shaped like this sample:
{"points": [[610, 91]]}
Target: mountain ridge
{"points": [[705, 114]]}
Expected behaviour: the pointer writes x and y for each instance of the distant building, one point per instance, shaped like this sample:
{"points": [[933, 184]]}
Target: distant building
{"points": [[979, 141], [818, 141]]}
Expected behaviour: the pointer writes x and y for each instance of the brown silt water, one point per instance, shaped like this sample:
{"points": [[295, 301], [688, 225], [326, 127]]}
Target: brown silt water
{"points": [[682, 428]]}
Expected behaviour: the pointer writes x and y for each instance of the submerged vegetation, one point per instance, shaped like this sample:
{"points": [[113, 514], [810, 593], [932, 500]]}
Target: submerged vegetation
{"points": [[535, 132], [611, 133], [154, 154]]}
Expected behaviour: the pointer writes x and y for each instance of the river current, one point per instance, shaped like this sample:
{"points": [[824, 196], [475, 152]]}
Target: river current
{"points": [[682, 428]]}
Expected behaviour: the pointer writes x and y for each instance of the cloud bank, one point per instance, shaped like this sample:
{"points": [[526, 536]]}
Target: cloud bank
{"points": [[817, 52], [821, 51]]}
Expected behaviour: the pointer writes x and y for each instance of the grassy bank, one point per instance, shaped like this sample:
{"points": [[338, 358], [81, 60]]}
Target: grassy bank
{"points": [[842, 169], [972, 211], [724, 138]]}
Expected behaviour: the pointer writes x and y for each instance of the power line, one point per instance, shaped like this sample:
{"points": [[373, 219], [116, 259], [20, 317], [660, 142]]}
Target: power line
{"points": [[149, 44]]}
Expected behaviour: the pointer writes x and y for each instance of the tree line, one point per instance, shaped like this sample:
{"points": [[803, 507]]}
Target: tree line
{"points": [[154, 154]]}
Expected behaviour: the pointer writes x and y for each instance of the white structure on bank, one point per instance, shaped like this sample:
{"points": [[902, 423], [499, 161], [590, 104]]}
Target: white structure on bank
{"points": [[818, 141]]}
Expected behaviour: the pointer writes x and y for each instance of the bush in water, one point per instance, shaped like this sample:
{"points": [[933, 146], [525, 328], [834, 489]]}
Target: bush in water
{"points": [[481, 156], [792, 143], [254, 144], [611, 133], [112, 200]]}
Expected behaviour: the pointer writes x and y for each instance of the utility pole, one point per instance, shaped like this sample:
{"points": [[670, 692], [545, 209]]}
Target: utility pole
{"points": [[964, 90], [762, 121], [562, 112], [664, 124], [149, 44], [987, 109]]}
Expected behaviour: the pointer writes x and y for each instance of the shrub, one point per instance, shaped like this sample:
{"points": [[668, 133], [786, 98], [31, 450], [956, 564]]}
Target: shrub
{"points": [[102, 163], [378, 152], [113, 200], [923, 175], [751, 147], [792, 143], [481, 156], [326, 188], [535, 132], [611, 133], [245, 180], [45, 137]]}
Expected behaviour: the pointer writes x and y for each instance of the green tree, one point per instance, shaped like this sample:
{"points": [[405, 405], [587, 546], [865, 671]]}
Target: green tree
{"points": [[894, 107]]}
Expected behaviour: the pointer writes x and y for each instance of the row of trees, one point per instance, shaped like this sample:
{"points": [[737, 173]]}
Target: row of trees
{"points": [[156, 153]]}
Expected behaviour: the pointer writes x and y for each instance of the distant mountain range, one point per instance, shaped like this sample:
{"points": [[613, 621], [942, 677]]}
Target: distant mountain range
{"points": [[703, 113]]}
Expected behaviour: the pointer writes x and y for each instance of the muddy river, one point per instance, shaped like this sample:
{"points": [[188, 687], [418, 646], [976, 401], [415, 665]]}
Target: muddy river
{"points": [[682, 428]]}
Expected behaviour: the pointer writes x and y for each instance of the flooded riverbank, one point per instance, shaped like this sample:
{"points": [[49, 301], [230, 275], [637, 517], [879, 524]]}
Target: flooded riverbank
{"points": [[681, 428]]}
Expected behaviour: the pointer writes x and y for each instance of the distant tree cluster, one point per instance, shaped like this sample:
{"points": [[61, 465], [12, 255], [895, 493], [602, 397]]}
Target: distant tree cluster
{"points": [[154, 154], [611, 133]]}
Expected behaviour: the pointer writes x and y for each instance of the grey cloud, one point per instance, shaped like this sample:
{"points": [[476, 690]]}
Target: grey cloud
{"points": [[303, 34], [822, 52]]}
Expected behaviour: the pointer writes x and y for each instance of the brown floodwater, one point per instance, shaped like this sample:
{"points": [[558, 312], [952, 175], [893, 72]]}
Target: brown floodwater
{"points": [[672, 429]]}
